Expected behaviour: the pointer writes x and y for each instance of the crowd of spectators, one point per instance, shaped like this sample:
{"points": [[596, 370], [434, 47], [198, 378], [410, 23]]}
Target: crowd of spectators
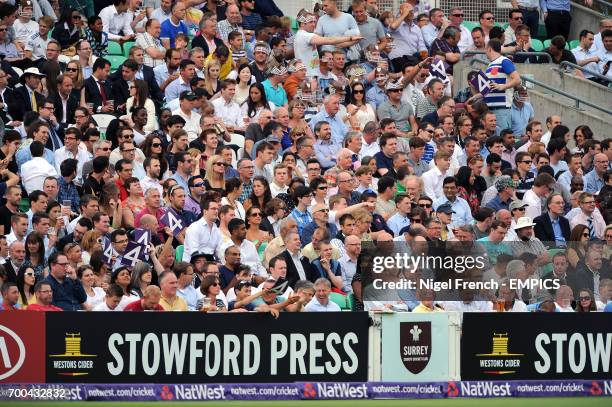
{"points": [[250, 155]]}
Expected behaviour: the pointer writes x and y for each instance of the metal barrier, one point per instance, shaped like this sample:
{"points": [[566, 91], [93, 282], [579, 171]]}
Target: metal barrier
{"points": [[576, 99], [584, 70], [528, 54], [602, 6]]}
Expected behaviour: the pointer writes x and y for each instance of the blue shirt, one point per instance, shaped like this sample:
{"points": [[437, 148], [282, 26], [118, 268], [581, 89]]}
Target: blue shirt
{"points": [[308, 231], [556, 226], [382, 161], [429, 153], [24, 155], [338, 128], [333, 264], [592, 182], [497, 204], [169, 30], [375, 96], [463, 213], [68, 295], [520, 117], [302, 218], [547, 5], [325, 151], [181, 181], [68, 191], [397, 222], [174, 89], [277, 95]]}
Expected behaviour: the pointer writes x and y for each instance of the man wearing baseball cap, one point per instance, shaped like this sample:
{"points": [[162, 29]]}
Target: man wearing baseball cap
{"points": [[506, 191], [445, 213], [187, 102], [393, 108]]}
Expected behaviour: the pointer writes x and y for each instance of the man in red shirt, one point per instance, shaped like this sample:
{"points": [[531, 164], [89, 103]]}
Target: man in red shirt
{"points": [[44, 297], [148, 302]]}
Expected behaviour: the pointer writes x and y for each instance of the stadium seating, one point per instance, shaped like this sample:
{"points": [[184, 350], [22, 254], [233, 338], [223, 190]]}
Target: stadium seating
{"points": [[537, 44], [126, 48], [114, 48], [340, 300], [179, 253], [116, 61]]}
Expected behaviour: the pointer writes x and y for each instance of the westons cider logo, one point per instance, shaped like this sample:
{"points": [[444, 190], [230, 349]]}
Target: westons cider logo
{"points": [[415, 345], [500, 361], [72, 362]]}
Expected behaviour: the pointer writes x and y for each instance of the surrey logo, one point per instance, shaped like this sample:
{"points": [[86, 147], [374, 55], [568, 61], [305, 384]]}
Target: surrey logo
{"points": [[415, 345]]}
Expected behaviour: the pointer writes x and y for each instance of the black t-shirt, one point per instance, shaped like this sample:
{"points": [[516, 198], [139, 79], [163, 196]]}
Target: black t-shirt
{"points": [[565, 56], [12, 166], [5, 219]]}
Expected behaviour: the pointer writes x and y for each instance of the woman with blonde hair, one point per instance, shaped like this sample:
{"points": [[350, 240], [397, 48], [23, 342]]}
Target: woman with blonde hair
{"points": [[212, 71], [214, 180], [91, 241]]}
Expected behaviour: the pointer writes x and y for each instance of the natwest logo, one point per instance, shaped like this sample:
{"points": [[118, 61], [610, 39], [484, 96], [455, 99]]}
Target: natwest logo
{"points": [[22, 352], [12, 352]]}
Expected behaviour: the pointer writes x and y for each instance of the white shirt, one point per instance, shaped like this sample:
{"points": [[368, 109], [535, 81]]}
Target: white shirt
{"points": [[349, 268], [97, 298], [82, 156], [192, 125], [34, 172], [369, 149], [37, 45], [160, 15], [580, 54], [315, 306], [248, 256], [23, 31], [229, 112], [104, 307], [204, 238], [534, 203], [12, 237], [115, 156], [113, 22], [432, 182], [275, 189], [147, 183], [563, 309], [466, 39]]}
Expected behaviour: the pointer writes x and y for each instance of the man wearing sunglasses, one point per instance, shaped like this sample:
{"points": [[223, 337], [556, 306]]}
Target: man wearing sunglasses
{"points": [[456, 18]]}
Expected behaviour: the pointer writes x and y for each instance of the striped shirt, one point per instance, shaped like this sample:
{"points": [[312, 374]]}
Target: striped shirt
{"points": [[499, 71], [146, 40]]}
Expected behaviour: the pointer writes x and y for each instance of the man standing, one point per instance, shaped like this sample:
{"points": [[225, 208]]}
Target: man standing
{"points": [[407, 39], [557, 17], [371, 28], [117, 22], [504, 78], [335, 23], [68, 293]]}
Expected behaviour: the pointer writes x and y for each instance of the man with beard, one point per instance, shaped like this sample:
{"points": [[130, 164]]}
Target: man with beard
{"points": [[196, 190], [168, 72], [526, 242], [152, 167], [248, 251]]}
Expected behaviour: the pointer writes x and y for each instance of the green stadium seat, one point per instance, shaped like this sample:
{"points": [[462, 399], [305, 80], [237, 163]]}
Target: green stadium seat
{"points": [[114, 48], [294, 25], [126, 48], [546, 43], [178, 256], [573, 44], [350, 301], [24, 205], [338, 299], [116, 61], [537, 44], [541, 32], [470, 25]]}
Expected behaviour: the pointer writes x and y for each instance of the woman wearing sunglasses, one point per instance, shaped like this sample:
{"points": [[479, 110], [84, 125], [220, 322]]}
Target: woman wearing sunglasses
{"points": [[153, 147], [359, 111], [258, 237], [66, 30], [214, 179], [211, 289], [25, 284], [586, 301]]}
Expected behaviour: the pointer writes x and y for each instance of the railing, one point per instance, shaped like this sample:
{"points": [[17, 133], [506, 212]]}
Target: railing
{"points": [[584, 70], [602, 6], [528, 54], [576, 99]]}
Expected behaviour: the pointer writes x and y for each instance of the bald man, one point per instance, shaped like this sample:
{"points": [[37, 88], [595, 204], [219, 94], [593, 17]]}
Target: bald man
{"points": [[348, 262], [150, 223], [593, 180]]}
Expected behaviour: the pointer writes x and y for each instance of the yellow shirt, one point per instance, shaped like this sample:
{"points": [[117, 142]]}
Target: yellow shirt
{"points": [[226, 68], [176, 304], [423, 308]]}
